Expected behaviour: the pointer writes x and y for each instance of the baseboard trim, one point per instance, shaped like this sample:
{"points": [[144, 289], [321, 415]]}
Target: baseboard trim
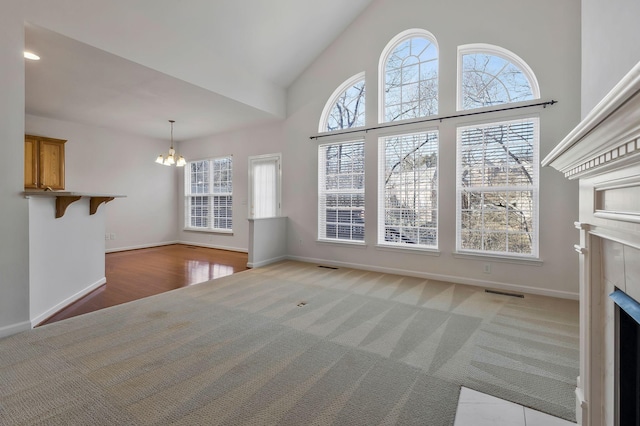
{"points": [[582, 408], [213, 246], [141, 246], [69, 300], [266, 262], [447, 278], [8, 330]]}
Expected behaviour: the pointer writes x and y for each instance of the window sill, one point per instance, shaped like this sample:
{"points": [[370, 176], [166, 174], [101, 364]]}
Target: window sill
{"points": [[210, 231], [495, 258], [424, 251], [360, 244]]}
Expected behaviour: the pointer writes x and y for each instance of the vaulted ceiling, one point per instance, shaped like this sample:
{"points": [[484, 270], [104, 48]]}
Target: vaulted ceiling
{"points": [[211, 65]]}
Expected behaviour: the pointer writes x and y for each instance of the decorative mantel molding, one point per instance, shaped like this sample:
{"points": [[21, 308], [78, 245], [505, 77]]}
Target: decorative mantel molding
{"points": [[607, 138], [66, 198]]}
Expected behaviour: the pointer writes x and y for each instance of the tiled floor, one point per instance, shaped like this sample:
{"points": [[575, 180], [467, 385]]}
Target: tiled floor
{"points": [[479, 409]]}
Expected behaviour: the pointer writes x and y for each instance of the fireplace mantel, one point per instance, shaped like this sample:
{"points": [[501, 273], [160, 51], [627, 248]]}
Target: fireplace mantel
{"points": [[603, 153], [606, 138]]}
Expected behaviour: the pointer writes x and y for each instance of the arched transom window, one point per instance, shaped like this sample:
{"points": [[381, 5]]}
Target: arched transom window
{"points": [[409, 77], [491, 75], [346, 106]]}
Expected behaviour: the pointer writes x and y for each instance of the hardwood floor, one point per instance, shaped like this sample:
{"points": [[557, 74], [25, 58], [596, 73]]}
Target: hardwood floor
{"points": [[135, 274]]}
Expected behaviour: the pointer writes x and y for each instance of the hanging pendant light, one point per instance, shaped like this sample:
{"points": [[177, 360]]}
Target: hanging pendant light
{"points": [[171, 157]]}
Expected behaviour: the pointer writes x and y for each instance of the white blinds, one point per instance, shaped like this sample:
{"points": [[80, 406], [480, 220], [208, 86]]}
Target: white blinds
{"points": [[497, 188], [208, 194], [408, 190], [264, 201], [341, 191]]}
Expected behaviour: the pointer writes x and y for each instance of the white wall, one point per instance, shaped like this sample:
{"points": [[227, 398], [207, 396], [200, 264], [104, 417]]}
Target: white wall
{"points": [[545, 34], [267, 241], [14, 218], [241, 144], [66, 255], [610, 46], [102, 160]]}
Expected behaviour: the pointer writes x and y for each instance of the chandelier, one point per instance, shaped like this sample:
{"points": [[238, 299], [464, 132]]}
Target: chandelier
{"points": [[171, 157]]}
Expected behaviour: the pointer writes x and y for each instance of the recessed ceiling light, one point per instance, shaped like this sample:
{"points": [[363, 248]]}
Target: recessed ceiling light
{"points": [[32, 56]]}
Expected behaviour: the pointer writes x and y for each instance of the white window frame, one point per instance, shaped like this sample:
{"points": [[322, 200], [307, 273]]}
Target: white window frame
{"points": [[507, 55], [211, 194], [323, 192], [277, 190], [333, 99], [386, 52], [535, 188], [382, 192]]}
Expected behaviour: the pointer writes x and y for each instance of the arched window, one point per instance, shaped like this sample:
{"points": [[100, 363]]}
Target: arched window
{"points": [[345, 107], [409, 77], [490, 75]]}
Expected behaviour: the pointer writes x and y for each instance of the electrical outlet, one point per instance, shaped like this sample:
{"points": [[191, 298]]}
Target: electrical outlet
{"points": [[113, 236], [487, 268], [107, 237]]}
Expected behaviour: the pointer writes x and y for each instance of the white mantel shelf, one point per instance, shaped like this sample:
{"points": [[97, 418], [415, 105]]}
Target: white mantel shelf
{"points": [[607, 138], [65, 198]]}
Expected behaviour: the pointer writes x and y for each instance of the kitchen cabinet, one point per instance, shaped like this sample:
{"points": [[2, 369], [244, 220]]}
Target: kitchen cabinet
{"points": [[43, 162]]}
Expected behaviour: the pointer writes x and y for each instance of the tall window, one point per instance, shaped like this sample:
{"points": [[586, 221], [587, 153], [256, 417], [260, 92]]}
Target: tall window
{"points": [[208, 195], [346, 106], [409, 77], [408, 190], [341, 191], [497, 186], [490, 75]]}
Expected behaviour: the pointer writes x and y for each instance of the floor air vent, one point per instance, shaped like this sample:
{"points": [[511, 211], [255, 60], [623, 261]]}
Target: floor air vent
{"points": [[327, 267], [503, 293]]}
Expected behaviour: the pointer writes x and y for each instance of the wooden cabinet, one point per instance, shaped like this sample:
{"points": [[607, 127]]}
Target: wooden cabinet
{"points": [[43, 162]]}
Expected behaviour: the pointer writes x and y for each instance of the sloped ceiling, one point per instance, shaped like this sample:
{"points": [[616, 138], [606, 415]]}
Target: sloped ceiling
{"points": [[212, 66]]}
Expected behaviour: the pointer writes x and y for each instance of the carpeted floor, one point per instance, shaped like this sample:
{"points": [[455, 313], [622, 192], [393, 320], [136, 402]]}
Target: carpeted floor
{"points": [[293, 344]]}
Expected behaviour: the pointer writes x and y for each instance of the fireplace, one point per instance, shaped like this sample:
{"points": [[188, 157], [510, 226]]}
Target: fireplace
{"points": [[602, 153], [627, 359]]}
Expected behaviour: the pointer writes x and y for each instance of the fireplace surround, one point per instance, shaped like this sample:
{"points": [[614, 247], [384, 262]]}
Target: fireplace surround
{"points": [[602, 153]]}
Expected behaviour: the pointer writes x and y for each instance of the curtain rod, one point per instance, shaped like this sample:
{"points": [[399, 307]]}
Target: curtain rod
{"points": [[426, 120]]}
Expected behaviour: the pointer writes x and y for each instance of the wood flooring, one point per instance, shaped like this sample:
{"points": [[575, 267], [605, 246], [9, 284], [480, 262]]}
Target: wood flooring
{"points": [[135, 274]]}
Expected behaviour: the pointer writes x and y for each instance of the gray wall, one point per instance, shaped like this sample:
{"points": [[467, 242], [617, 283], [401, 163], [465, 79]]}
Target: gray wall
{"points": [[109, 161], [14, 218], [241, 144], [548, 40], [610, 46]]}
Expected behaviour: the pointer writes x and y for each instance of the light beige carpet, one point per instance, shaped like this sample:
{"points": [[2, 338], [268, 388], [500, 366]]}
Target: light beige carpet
{"points": [[293, 344]]}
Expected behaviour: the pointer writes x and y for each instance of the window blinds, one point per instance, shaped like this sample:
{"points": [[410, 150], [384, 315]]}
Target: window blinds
{"points": [[497, 188], [265, 189], [408, 190], [341, 191]]}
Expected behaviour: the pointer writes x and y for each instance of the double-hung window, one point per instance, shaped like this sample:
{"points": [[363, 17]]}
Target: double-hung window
{"points": [[341, 191], [497, 188], [208, 195], [408, 190]]}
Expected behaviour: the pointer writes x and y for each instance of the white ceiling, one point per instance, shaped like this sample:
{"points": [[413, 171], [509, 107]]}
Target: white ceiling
{"points": [[212, 66]]}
